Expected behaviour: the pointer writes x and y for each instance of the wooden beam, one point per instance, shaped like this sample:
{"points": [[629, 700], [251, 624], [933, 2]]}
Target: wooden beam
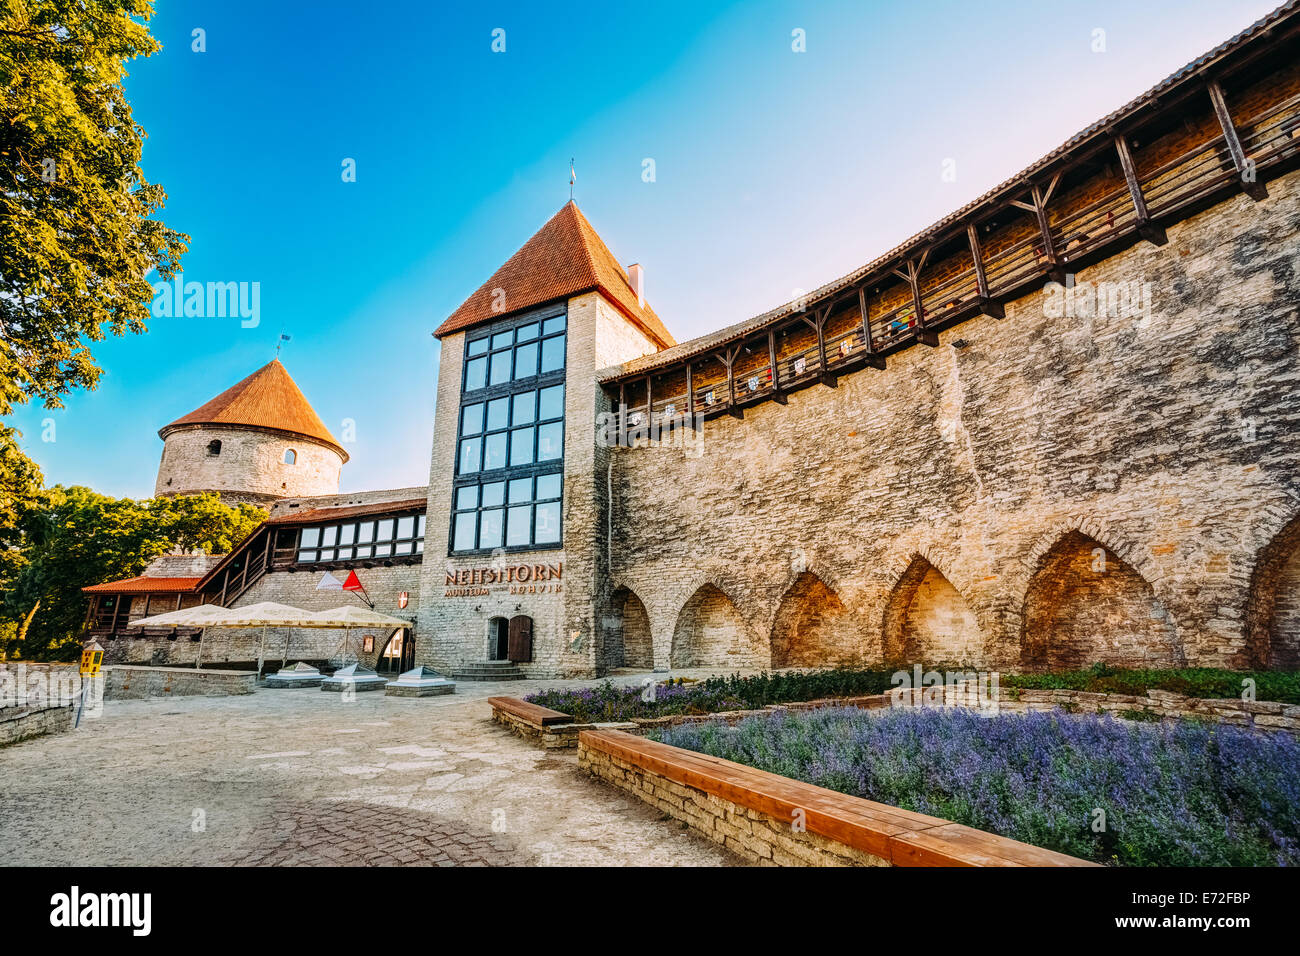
{"points": [[690, 395], [872, 359], [1252, 187], [913, 278], [818, 323], [1054, 267], [649, 405], [778, 396], [728, 360], [1146, 228], [987, 305], [622, 414]]}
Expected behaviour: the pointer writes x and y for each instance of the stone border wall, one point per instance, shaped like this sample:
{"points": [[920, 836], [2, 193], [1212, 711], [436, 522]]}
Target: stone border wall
{"points": [[775, 821], [22, 723], [126, 682]]}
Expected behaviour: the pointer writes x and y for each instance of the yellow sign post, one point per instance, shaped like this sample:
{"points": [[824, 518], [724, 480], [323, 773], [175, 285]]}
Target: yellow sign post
{"points": [[91, 657]]}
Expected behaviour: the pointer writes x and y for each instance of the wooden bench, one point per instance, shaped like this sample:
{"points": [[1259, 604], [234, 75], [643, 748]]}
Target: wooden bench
{"points": [[899, 836], [529, 713]]}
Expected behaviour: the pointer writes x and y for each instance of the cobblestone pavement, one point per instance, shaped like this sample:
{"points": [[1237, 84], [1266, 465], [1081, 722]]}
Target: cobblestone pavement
{"points": [[301, 777]]}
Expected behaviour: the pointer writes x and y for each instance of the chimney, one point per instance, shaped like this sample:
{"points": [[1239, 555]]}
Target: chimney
{"points": [[636, 278]]}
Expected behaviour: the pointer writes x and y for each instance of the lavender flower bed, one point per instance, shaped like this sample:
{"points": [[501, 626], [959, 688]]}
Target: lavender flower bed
{"points": [[1174, 794]]}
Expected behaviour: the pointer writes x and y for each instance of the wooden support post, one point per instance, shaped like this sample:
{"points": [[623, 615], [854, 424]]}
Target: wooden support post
{"points": [[778, 396], [1038, 207], [690, 395], [1245, 168], [872, 359], [622, 414], [987, 305], [913, 278], [1146, 228], [818, 324], [729, 362], [649, 405]]}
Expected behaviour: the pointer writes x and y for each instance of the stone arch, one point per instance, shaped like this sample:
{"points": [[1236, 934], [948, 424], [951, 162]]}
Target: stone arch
{"points": [[711, 632], [1273, 604], [626, 634], [1085, 603], [928, 621], [812, 627]]}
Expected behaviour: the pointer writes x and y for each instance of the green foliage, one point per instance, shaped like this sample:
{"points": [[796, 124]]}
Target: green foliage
{"points": [[1206, 682], [76, 237], [73, 537]]}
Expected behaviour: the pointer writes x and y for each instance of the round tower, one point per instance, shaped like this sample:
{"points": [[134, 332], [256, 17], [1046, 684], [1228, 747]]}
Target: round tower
{"points": [[257, 441]]}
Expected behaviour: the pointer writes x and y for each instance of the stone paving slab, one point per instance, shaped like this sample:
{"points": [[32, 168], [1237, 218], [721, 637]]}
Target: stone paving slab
{"points": [[283, 777]]}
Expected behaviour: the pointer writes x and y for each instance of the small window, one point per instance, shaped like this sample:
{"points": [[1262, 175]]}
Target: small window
{"points": [[290, 456], [214, 447]]}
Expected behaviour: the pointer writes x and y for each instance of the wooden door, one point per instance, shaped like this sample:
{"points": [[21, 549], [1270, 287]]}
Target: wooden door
{"points": [[521, 639]]}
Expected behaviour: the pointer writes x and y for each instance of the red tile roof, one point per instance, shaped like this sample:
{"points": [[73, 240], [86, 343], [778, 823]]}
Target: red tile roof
{"points": [[268, 398], [563, 259], [144, 585]]}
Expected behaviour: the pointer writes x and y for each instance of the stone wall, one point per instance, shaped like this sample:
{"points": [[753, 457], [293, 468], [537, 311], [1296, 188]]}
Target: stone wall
{"points": [[956, 504], [250, 467], [22, 723], [133, 683]]}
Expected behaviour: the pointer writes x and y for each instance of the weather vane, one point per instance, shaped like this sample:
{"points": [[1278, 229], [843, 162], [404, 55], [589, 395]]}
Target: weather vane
{"points": [[573, 178]]}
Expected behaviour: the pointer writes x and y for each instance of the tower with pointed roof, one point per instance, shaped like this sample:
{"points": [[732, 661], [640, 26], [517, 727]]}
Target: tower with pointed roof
{"points": [[256, 442], [516, 550]]}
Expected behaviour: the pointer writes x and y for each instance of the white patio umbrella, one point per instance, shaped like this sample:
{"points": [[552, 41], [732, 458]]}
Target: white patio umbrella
{"points": [[203, 616], [350, 616]]}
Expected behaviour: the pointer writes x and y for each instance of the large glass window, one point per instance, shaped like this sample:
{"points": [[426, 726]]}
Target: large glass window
{"points": [[362, 540], [510, 456]]}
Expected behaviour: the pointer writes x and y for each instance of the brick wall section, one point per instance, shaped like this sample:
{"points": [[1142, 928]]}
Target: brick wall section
{"points": [[250, 467], [1168, 440], [22, 723], [134, 683]]}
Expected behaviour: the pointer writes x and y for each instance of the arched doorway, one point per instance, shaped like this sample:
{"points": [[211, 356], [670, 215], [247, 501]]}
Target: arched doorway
{"points": [[638, 650], [710, 632], [1273, 609], [398, 654], [812, 627], [1085, 605], [498, 639], [927, 621]]}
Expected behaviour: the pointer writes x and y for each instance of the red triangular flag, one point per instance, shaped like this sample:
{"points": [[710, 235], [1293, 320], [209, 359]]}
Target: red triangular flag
{"points": [[353, 583]]}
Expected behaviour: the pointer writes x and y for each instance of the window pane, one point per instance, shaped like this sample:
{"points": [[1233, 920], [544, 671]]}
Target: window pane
{"points": [[403, 547], [329, 535], [500, 367], [467, 498], [471, 419], [478, 347], [406, 527], [385, 531], [526, 333], [519, 525], [550, 441], [366, 532], [347, 533], [493, 493], [497, 411], [548, 523], [327, 554], [419, 546], [344, 554], [552, 403], [548, 486], [490, 529], [306, 555], [384, 550], [552, 354], [521, 446], [553, 325], [495, 452], [475, 374], [365, 551], [521, 489], [502, 339], [526, 360], [310, 537], [419, 527], [463, 539], [525, 405], [469, 455]]}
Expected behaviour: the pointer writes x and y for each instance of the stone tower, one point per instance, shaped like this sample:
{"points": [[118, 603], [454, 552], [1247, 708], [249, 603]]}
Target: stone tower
{"points": [[257, 441]]}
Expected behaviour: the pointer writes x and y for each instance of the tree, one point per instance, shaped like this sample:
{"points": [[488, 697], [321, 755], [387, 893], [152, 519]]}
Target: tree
{"points": [[74, 537], [76, 239]]}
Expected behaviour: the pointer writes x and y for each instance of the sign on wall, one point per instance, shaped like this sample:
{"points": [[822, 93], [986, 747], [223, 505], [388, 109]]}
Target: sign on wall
{"points": [[512, 578]]}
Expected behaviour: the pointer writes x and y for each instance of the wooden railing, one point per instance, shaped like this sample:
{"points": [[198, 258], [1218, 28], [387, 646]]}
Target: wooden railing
{"points": [[1268, 139]]}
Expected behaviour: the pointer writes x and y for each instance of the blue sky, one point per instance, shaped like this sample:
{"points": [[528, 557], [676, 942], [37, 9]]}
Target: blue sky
{"points": [[774, 171]]}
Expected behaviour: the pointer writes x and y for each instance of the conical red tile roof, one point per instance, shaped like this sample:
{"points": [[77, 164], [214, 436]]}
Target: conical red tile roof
{"points": [[563, 259], [268, 398]]}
